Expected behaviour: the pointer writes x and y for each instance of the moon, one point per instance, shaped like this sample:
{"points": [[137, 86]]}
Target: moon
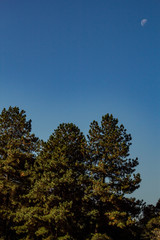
{"points": [[143, 22]]}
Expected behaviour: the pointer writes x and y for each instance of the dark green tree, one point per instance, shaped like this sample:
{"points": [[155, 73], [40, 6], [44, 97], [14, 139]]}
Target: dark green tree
{"points": [[152, 229], [150, 222], [17, 155], [73, 189], [99, 236], [58, 208], [113, 174]]}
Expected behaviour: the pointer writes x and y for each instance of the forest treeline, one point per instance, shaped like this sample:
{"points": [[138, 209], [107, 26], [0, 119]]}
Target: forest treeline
{"points": [[71, 187]]}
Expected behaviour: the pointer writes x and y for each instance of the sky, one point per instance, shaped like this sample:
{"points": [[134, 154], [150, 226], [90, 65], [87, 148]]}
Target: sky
{"points": [[75, 61]]}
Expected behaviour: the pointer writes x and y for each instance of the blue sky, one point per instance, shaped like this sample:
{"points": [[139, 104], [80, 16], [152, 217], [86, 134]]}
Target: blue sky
{"points": [[74, 61]]}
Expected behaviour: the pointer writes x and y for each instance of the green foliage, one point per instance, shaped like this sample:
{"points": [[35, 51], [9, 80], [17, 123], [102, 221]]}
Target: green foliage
{"points": [[67, 188], [109, 148], [58, 193], [113, 174], [99, 236], [151, 222], [17, 154], [152, 230]]}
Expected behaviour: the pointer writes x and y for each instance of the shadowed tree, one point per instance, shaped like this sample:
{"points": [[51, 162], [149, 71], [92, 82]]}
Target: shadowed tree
{"points": [[150, 223], [74, 189], [17, 155], [57, 200]]}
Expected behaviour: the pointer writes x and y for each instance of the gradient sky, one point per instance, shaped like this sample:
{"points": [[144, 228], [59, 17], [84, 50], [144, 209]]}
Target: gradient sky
{"points": [[74, 61]]}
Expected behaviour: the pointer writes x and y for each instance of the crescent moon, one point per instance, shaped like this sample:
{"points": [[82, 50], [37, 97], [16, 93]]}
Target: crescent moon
{"points": [[143, 22]]}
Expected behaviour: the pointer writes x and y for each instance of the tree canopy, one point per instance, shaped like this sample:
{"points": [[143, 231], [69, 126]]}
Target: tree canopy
{"points": [[72, 186], [17, 154]]}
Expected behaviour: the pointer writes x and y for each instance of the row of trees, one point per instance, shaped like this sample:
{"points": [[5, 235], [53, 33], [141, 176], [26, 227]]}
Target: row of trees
{"points": [[70, 187]]}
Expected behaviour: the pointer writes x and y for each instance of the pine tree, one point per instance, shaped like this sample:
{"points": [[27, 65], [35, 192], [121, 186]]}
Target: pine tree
{"points": [[150, 222], [113, 174], [17, 155], [57, 207]]}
